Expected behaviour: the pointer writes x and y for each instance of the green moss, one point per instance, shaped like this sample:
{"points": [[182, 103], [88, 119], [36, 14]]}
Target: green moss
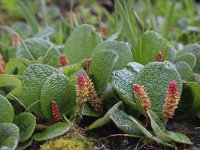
{"points": [[69, 142]]}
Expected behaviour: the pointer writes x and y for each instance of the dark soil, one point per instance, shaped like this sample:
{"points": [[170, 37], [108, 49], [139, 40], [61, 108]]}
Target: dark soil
{"points": [[107, 140]]}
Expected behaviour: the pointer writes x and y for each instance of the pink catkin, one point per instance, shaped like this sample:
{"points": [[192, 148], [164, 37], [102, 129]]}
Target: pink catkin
{"points": [[104, 30], [141, 94], [16, 40], [63, 61], [94, 100], [159, 56], [55, 112], [82, 92], [171, 100], [1, 64], [80, 81]]}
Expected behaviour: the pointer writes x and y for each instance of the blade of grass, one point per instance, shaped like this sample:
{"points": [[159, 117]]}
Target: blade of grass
{"points": [[168, 20], [11, 31], [30, 18], [128, 20], [44, 13]]}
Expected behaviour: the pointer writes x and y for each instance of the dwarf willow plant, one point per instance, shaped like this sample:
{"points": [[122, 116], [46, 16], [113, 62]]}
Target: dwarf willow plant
{"points": [[53, 88]]}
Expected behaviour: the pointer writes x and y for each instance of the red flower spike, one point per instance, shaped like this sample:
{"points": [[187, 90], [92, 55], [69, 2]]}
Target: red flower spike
{"points": [[171, 100], [82, 92], [95, 101], [88, 65], [63, 61], [1, 64], [55, 112], [15, 40], [104, 30], [80, 81], [137, 88], [160, 56], [141, 94]]}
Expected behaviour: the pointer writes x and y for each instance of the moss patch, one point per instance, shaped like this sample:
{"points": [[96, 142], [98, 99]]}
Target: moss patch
{"points": [[69, 142]]}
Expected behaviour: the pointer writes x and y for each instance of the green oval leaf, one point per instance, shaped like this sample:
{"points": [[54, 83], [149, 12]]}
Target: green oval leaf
{"points": [[52, 131], [123, 80], [9, 135], [6, 110], [57, 87], [185, 71], [81, 43], [101, 68], [155, 77], [12, 82], [10, 142], [123, 122], [189, 58], [26, 123], [34, 48], [194, 49], [33, 80], [149, 45], [121, 48], [18, 65]]}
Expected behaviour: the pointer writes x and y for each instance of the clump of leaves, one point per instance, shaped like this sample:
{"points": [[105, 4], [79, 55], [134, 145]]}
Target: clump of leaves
{"points": [[54, 87]]}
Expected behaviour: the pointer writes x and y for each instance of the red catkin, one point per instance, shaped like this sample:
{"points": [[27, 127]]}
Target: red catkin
{"points": [[63, 60], [16, 40], [82, 91], [1, 64], [141, 94], [104, 30], [171, 100], [55, 112], [159, 56], [94, 100]]}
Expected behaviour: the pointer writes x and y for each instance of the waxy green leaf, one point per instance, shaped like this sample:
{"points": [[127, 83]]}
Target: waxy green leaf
{"points": [[101, 68], [6, 110], [52, 131], [121, 48], [26, 123], [81, 43]]}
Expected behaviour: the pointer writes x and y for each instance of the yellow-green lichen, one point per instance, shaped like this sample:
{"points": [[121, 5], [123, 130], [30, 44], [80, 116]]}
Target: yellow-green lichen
{"points": [[69, 142]]}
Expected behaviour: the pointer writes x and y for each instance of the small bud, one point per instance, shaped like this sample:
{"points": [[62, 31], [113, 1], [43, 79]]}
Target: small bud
{"points": [[88, 65], [160, 56], [1, 64], [171, 100], [141, 94], [63, 61], [16, 40], [104, 30], [55, 112]]}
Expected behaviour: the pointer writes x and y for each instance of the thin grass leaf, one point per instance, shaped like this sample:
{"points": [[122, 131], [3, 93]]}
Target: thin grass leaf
{"points": [[168, 21], [30, 18], [128, 20]]}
